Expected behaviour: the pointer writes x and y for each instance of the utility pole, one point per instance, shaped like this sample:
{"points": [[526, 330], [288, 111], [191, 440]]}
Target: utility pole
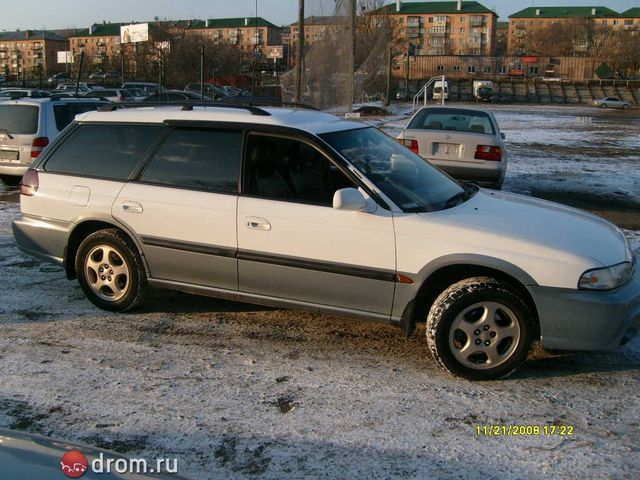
{"points": [[389, 68], [352, 55], [299, 53], [201, 72], [79, 72]]}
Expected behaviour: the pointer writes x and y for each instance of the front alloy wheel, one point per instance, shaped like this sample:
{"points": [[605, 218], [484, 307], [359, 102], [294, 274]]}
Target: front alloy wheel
{"points": [[480, 329]]}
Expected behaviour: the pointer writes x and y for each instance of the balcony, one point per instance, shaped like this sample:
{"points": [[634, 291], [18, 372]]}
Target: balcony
{"points": [[476, 21], [438, 33], [436, 51]]}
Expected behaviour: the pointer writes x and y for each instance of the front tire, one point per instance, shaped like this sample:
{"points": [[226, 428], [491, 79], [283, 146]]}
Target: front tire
{"points": [[110, 271], [479, 329]]}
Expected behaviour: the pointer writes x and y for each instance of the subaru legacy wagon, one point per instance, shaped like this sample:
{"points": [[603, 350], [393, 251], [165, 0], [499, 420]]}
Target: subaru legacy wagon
{"points": [[300, 209]]}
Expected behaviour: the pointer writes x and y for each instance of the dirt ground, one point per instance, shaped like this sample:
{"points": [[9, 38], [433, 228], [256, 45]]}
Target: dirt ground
{"points": [[236, 391]]}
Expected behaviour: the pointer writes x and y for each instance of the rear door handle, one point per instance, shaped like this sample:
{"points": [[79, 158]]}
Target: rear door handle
{"points": [[132, 207], [257, 223]]}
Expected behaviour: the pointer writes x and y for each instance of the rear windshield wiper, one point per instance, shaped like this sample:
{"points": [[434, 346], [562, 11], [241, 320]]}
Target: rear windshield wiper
{"points": [[6, 132]]}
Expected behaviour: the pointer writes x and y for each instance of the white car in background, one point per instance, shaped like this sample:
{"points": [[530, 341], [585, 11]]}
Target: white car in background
{"points": [[465, 143], [611, 102]]}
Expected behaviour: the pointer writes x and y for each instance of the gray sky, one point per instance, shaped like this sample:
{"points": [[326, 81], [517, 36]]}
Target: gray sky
{"points": [[51, 14]]}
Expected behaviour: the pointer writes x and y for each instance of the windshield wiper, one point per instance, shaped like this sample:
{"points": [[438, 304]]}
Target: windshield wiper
{"points": [[6, 132], [469, 190]]}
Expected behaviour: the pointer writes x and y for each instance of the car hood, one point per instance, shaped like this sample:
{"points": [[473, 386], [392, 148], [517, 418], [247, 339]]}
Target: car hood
{"points": [[538, 228]]}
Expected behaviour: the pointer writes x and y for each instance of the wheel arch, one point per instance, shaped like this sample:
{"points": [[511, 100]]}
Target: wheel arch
{"points": [[87, 226], [437, 276]]}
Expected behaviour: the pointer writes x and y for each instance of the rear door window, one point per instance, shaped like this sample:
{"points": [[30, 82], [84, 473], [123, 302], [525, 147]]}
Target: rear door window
{"points": [[19, 119], [104, 151], [200, 159]]}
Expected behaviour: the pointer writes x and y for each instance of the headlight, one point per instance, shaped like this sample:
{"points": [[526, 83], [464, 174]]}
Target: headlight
{"points": [[607, 278]]}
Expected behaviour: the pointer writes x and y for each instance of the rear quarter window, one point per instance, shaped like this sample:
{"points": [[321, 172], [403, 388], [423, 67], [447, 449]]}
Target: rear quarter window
{"points": [[19, 119], [104, 151]]}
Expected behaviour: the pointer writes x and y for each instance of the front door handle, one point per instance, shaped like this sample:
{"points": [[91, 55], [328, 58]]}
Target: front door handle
{"points": [[132, 207], [257, 223]]}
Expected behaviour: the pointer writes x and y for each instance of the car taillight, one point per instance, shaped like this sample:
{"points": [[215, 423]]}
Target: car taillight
{"points": [[30, 183], [122, 99], [487, 152], [38, 145], [411, 145]]}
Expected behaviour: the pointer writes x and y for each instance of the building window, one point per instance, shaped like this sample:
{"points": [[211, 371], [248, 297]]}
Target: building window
{"points": [[486, 69], [615, 22], [456, 68], [503, 70], [628, 22], [463, 19], [471, 69], [440, 68], [461, 30], [533, 70]]}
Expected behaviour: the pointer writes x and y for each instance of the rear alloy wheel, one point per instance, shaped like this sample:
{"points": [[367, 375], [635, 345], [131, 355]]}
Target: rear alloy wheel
{"points": [[625, 106], [604, 105], [479, 329], [110, 271]]}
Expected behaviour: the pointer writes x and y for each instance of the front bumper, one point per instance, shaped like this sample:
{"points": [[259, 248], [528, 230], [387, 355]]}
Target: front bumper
{"points": [[588, 320]]}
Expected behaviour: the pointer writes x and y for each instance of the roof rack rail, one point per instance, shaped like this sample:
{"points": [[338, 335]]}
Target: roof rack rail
{"points": [[185, 106], [264, 103]]}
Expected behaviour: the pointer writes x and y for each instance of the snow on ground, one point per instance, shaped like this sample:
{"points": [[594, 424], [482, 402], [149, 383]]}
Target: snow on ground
{"points": [[235, 390]]}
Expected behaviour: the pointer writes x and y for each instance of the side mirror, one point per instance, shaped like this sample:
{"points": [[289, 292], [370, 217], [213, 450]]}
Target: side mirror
{"points": [[349, 199], [503, 136]]}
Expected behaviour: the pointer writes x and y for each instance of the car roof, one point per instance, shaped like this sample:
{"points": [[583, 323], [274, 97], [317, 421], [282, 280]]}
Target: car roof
{"points": [[310, 121]]}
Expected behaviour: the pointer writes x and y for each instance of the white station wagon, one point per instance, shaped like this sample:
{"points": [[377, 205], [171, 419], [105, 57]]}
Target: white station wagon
{"points": [[300, 209]]}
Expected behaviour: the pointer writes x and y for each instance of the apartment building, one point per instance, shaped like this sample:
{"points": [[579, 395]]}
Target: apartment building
{"points": [[316, 28], [502, 38], [526, 23], [30, 53], [100, 43], [445, 28], [629, 20], [249, 34]]}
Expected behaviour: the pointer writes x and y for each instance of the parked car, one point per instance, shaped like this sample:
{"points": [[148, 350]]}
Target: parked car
{"points": [[465, 143], [211, 91], [82, 88], [137, 94], [111, 94], [176, 96], [29, 125], [30, 456], [301, 209], [150, 88], [96, 76], [15, 93], [58, 78], [611, 102]]}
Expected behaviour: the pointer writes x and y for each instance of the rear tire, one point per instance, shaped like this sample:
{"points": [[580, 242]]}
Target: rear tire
{"points": [[479, 329], [604, 105], [110, 271], [625, 106]]}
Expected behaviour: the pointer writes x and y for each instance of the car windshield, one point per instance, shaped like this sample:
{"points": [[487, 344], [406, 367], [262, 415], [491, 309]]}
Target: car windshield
{"points": [[456, 120], [407, 179], [19, 119]]}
